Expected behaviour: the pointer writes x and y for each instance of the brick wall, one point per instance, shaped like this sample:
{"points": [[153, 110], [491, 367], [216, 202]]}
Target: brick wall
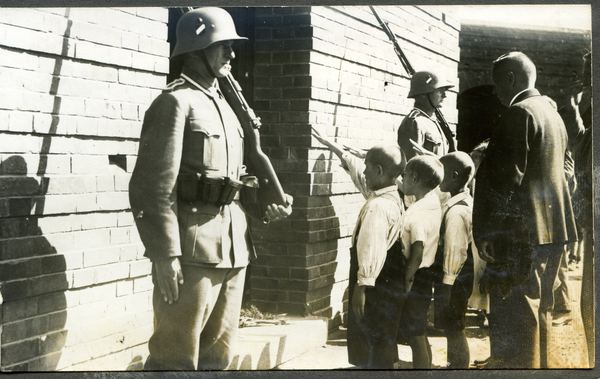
{"points": [[556, 54], [333, 68], [75, 86]]}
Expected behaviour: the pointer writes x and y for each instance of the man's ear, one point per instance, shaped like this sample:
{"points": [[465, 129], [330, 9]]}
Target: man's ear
{"points": [[454, 176], [380, 171], [511, 78]]}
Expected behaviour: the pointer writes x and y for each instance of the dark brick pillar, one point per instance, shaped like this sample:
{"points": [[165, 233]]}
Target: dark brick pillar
{"points": [[294, 272]]}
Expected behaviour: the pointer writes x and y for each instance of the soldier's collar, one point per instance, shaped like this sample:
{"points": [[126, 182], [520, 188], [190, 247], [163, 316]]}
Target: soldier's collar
{"points": [[419, 110], [213, 92]]}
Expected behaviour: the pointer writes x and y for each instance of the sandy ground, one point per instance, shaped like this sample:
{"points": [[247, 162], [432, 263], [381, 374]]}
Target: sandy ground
{"points": [[568, 349]]}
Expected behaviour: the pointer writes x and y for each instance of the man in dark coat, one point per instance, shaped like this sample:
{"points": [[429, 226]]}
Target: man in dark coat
{"points": [[522, 216]]}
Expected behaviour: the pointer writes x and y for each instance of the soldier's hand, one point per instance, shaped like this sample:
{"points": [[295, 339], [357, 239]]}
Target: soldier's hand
{"points": [[277, 212], [169, 276], [486, 250]]}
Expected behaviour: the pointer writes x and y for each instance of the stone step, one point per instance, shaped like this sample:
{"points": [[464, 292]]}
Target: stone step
{"points": [[264, 347]]}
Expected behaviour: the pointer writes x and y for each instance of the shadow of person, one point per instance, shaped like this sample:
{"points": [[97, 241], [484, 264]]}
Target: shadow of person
{"points": [[478, 112], [32, 274], [136, 364]]}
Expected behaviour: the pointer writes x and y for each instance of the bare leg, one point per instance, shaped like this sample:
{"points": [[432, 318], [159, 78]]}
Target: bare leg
{"points": [[421, 351]]}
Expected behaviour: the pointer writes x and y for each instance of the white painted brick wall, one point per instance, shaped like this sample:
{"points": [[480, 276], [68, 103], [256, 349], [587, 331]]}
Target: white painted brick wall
{"points": [[76, 83]]}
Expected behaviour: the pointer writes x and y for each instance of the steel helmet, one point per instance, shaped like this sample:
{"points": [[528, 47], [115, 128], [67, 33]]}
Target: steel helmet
{"points": [[426, 82], [201, 27]]}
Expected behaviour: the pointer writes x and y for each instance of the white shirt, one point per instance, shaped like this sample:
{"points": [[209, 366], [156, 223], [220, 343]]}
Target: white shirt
{"points": [[379, 223], [422, 222], [457, 236]]}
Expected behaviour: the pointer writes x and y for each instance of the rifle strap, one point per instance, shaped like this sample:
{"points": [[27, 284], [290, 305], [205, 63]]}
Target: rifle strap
{"points": [[448, 134]]}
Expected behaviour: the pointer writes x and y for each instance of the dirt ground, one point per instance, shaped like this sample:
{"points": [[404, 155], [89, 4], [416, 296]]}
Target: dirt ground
{"points": [[568, 347]]}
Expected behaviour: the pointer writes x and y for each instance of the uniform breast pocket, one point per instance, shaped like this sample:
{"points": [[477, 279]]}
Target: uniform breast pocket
{"points": [[207, 140], [432, 142]]}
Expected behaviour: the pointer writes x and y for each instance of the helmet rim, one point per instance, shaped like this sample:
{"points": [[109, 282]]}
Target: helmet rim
{"points": [[202, 27], [424, 82]]}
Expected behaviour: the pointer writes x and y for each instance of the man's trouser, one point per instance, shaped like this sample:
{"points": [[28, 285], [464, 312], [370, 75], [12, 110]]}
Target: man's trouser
{"points": [[561, 286], [198, 330], [520, 323]]}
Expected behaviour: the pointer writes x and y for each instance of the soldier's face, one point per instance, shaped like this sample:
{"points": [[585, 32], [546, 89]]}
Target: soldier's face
{"points": [[219, 56], [437, 97]]}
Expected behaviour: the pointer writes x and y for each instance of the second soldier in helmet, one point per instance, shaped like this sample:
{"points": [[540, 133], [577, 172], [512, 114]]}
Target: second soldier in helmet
{"points": [[428, 88]]}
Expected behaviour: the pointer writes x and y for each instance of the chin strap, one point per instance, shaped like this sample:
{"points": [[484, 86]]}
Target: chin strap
{"points": [[205, 61]]}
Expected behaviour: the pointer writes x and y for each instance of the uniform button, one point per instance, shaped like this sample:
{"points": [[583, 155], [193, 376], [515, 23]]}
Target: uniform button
{"points": [[194, 210]]}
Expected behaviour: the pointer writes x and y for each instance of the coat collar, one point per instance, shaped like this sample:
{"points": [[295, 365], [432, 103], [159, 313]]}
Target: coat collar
{"points": [[524, 95]]}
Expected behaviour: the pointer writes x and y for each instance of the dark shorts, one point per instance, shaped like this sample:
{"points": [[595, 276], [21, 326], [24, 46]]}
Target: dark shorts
{"points": [[413, 321], [452, 317]]}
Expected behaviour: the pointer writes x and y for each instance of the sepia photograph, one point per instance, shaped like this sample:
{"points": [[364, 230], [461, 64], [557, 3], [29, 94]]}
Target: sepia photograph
{"points": [[362, 189]]}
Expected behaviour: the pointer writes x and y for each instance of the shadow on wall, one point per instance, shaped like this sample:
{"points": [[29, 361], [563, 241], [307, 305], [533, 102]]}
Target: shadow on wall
{"points": [[33, 277], [325, 212], [479, 110], [136, 364]]}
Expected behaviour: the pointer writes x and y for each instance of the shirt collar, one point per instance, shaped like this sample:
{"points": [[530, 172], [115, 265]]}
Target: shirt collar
{"points": [[457, 198], [387, 189], [517, 95]]}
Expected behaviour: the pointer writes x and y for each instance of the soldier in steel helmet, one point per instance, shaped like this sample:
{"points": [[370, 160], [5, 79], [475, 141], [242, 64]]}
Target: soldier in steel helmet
{"points": [[198, 241], [428, 88]]}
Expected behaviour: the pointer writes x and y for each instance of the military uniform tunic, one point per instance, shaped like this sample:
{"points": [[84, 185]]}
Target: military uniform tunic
{"points": [[189, 130], [192, 130], [423, 130]]}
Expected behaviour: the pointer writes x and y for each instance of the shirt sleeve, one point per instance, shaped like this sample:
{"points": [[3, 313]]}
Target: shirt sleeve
{"points": [[456, 242], [418, 231], [355, 168], [372, 243]]}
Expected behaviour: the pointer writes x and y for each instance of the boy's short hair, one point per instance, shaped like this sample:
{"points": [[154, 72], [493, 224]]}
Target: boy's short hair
{"points": [[428, 169], [462, 163], [390, 157]]}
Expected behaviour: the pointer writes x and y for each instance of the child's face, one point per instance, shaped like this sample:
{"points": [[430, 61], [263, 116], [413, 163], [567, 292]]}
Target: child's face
{"points": [[447, 182], [408, 185], [371, 174]]}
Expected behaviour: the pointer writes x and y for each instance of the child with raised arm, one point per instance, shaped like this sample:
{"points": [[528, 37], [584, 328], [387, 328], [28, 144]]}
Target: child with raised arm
{"points": [[454, 260], [420, 236], [376, 266]]}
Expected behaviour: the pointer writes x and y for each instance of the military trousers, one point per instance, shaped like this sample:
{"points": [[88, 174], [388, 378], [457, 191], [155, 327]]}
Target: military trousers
{"points": [[198, 331], [521, 323]]}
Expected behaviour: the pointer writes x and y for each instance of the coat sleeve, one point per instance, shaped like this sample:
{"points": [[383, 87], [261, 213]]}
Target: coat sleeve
{"points": [[153, 185]]}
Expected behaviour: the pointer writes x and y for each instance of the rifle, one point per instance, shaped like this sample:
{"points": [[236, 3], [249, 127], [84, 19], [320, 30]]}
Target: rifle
{"points": [[270, 190], [448, 133]]}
